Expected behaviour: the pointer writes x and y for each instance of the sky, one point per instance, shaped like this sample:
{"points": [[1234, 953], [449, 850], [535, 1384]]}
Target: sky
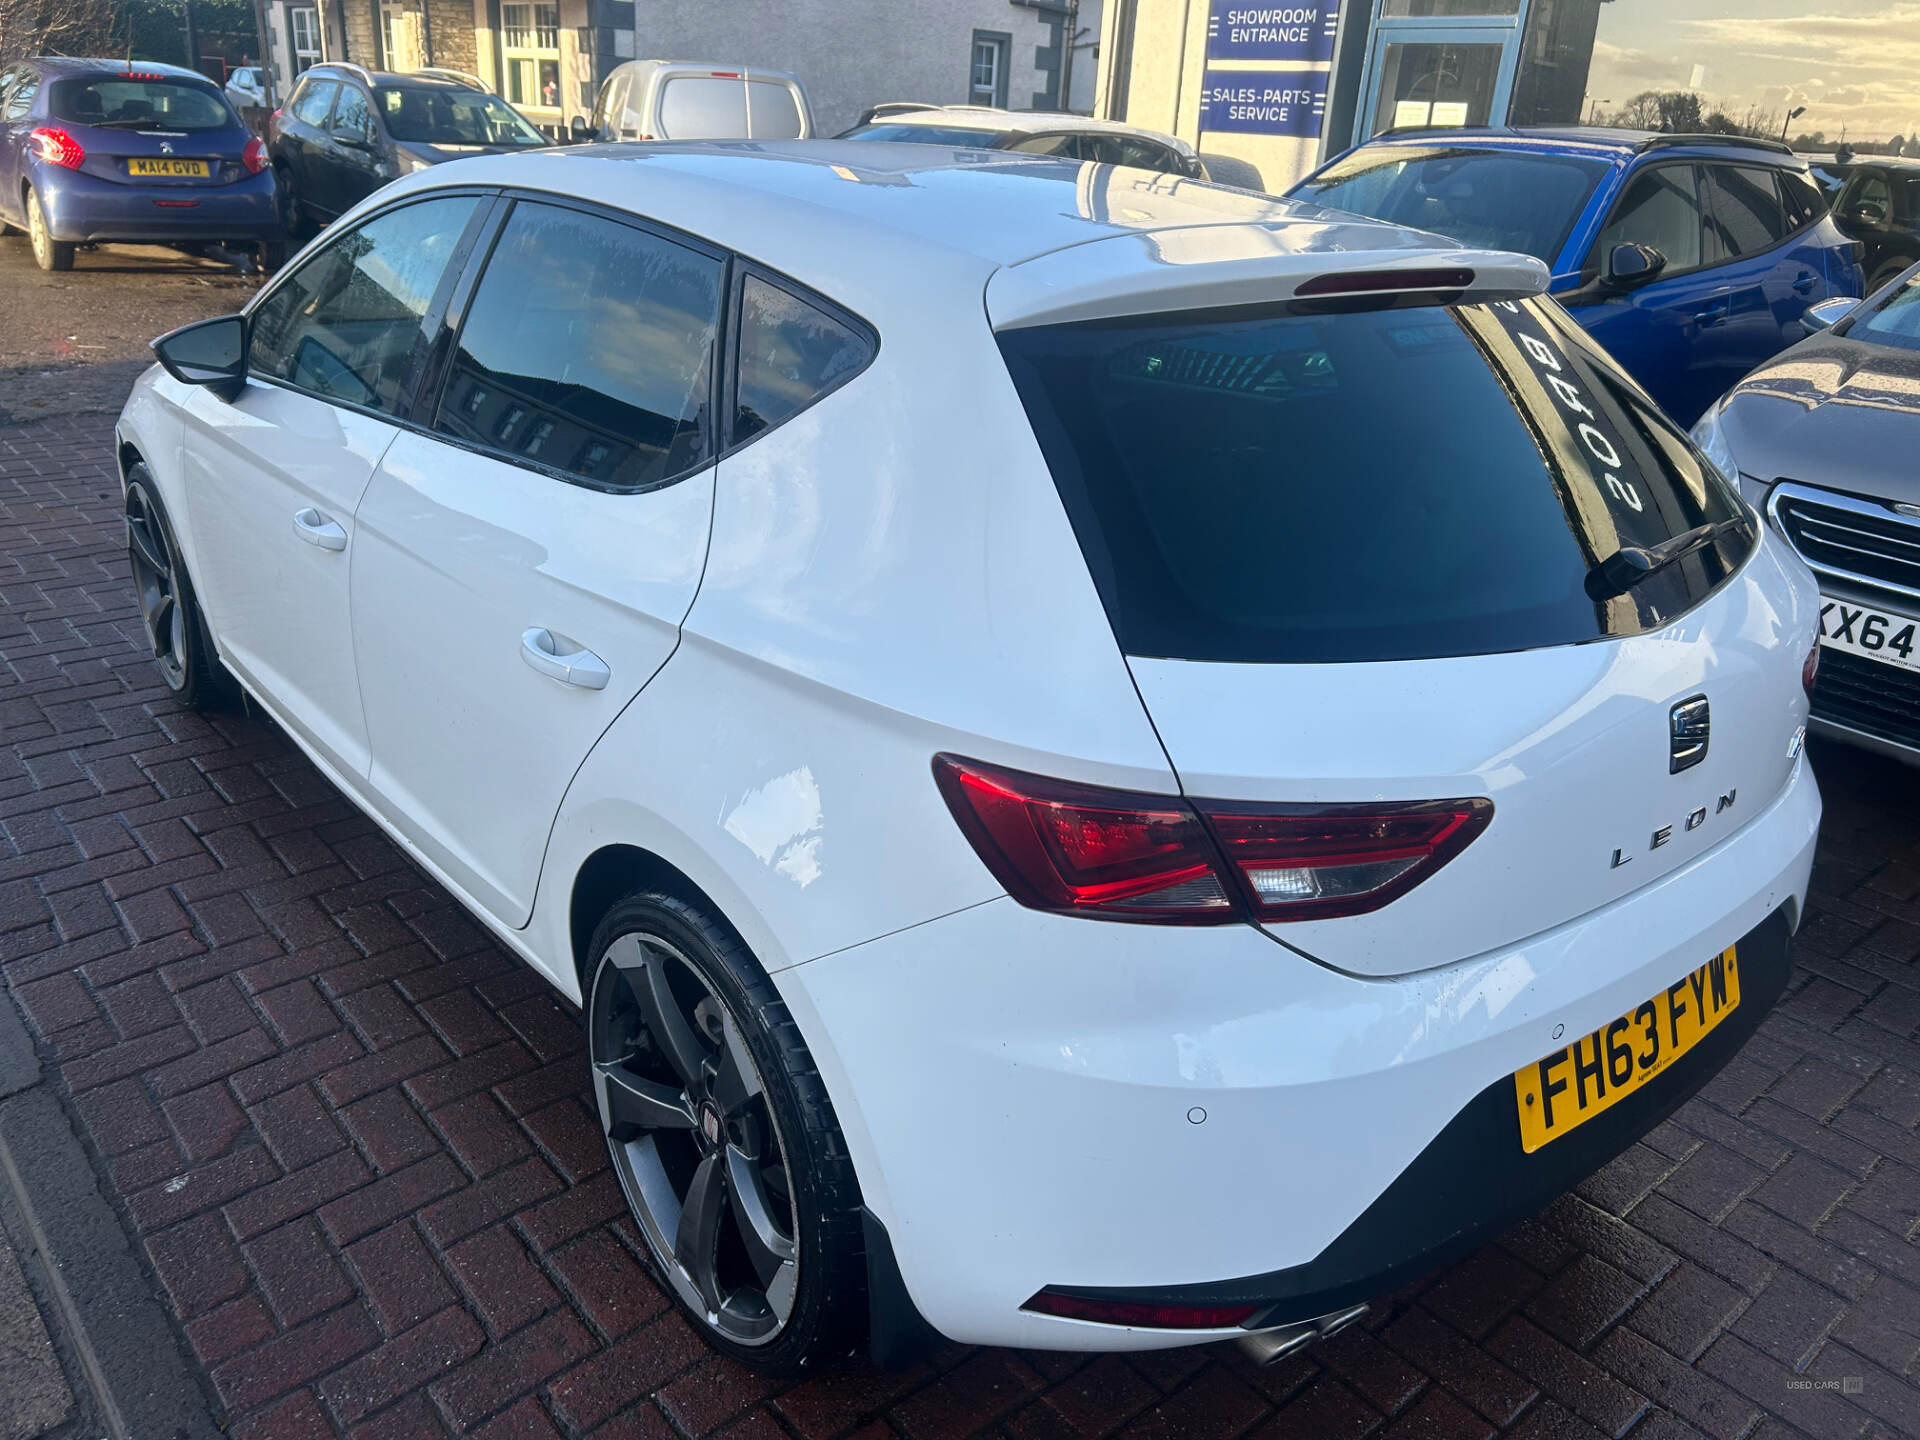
{"points": [[1851, 62]]}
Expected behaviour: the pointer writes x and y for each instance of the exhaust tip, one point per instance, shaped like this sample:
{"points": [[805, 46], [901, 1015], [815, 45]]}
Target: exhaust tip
{"points": [[1270, 1347]]}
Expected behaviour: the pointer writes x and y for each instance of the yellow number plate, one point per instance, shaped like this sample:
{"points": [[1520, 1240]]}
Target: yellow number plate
{"points": [[1571, 1086], [182, 169]]}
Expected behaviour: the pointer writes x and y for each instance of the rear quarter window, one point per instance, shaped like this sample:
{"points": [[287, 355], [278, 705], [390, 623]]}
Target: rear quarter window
{"points": [[1375, 485]]}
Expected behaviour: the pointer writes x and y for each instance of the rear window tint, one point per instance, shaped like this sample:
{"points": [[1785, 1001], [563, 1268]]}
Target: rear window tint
{"points": [[1376, 485], [791, 353], [140, 104], [699, 107], [1746, 209], [771, 111]]}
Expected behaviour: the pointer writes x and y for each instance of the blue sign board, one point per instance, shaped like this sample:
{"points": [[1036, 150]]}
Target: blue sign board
{"points": [[1248, 102], [1244, 30]]}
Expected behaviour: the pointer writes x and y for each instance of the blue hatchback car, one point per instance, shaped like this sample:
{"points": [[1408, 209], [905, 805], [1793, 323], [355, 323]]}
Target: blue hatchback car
{"points": [[95, 150], [1690, 257]]}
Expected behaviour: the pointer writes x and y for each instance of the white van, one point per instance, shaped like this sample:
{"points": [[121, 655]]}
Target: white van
{"points": [[697, 100]]}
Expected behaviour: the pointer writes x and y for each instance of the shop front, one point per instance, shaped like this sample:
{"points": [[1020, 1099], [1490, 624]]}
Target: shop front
{"points": [[1277, 87]]}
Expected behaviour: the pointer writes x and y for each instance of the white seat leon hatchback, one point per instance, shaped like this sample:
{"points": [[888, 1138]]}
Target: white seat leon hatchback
{"points": [[1112, 763]]}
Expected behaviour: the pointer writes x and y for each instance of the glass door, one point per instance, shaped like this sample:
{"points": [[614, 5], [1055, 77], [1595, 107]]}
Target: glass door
{"points": [[1438, 71]]}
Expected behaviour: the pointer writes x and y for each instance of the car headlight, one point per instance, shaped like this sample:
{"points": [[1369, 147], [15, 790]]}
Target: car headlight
{"points": [[1711, 437]]}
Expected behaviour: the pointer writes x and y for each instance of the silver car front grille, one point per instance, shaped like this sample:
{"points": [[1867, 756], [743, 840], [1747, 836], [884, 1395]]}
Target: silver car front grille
{"points": [[1850, 539]]}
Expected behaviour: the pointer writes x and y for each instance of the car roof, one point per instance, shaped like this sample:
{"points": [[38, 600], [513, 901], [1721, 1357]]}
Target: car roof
{"points": [[82, 65], [1597, 141], [720, 69], [990, 119], [387, 79], [895, 228]]}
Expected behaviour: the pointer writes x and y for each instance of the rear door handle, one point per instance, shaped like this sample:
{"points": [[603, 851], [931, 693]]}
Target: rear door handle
{"points": [[316, 529], [1804, 285], [565, 660]]}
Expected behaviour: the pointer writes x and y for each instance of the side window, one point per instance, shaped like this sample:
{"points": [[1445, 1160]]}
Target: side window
{"points": [[791, 353], [1867, 198], [20, 98], [347, 323], [1746, 210], [1067, 147], [311, 104], [597, 365], [1146, 155], [1803, 200], [1660, 207], [350, 112]]}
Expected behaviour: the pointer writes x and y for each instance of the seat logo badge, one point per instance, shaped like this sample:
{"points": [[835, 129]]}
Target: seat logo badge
{"points": [[1688, 725]]}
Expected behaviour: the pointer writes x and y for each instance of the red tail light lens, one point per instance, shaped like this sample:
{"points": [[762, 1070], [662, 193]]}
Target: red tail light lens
{"points": [[1079, 850], [1118, 855], [1316, 862], [1809, 668], [254, 157], [57, 147]]}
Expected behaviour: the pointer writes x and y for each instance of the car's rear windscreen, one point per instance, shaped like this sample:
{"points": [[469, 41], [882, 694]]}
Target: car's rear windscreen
{"points": [[139, 104], [1381, 484]]}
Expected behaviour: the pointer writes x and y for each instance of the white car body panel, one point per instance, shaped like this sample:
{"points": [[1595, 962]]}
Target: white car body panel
{"points": [[795, 631], [283, 617]]}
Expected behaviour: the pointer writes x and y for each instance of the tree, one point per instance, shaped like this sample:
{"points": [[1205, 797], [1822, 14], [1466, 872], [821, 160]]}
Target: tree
{"points": [[1642, 112], [1720, 123], [1679, 112], [40, 27]]}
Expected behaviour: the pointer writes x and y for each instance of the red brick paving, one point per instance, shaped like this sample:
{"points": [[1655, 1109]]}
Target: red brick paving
{"points": [[352, 1133]]}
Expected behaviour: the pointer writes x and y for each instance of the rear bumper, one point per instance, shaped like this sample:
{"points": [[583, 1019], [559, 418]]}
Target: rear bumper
{"points": [[1039, 1102], [85, 209]]}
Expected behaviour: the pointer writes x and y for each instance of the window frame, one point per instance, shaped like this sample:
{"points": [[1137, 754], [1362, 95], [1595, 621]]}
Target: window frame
{"points": [[743, 269], [1002, 42], [295, 54], [431, 394], [1591, 265], [533, 52], [25, 81], [1710, 186], [432, 324]]}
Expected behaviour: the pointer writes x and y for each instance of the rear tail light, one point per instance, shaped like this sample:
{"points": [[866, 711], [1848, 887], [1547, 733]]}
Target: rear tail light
{"points": [[1368, 282], [1809, 668], [254, 157], [1118, 855], [57, 147], [1145, 1316]]}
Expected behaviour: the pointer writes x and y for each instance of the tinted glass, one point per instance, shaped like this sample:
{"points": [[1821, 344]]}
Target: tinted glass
{"points": [[1065, 146], [1145, 154], [140, 104], [452, 117], [312, 102], [1504, 199], [1746, 209], [1373, 485], [345, 325], [1896, 322], [698, 107], [588, 349], [1803, 201], [771, 112], [1661, 208], [1867, 197], [20, 98], [928, 135], [350, 113], [791, 353]]}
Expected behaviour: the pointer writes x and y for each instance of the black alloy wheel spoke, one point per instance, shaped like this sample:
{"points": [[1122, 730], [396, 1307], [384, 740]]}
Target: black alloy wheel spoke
{"points": [[736, 1082], [696, 1242], [660, 1010], [160, 626], [140, 537], [633, 1105], [767, 1248]]}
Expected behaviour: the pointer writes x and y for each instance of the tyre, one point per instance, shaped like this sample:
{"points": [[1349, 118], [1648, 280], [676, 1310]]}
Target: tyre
{"points": [[273, 254], [1885, 273], [724, 1140], [175, 628], [48, 253], [288, 200]]}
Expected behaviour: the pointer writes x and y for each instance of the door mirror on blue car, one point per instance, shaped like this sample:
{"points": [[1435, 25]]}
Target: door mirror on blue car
{"points": [[208, 352], [1631, 264]]}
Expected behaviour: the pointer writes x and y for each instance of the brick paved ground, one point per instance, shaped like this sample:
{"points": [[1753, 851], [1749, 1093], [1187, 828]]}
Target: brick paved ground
{"points": [[351, 1131]]}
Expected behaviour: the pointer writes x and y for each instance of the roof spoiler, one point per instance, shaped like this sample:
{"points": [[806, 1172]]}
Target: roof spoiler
{"points": [[1237, 267]]}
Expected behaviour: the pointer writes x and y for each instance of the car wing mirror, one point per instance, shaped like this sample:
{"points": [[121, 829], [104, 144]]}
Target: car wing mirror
{"points": [[579, 131], [352, 139], [1825, 314], [1631, 264], [212, 353]]}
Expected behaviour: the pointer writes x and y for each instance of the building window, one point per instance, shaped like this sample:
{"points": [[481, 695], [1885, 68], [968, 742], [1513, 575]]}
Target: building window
{"points": [[393, 37], [305, 23], [530, 47], [987, 84]]}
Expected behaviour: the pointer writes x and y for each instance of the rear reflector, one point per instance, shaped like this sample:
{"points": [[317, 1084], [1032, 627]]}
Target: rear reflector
{"points": [[1120, 855], [57, 147], [177, 204], [1370, 282], [1810, 668], [1140, 1315]]}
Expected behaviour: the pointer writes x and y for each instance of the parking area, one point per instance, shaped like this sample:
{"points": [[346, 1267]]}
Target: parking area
{"points": [[351, 1134]]}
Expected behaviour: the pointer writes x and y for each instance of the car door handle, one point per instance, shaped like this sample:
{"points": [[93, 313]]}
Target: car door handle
{"points": [[1804, 285], [550, 655], [316, 529], [1705, 318]]}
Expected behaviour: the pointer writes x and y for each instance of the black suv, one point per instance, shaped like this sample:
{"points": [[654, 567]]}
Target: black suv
{"points": [[1876, 200], [346, 131]]}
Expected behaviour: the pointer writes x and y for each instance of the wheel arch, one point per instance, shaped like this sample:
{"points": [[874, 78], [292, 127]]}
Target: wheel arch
{"points": [[610, 874]]}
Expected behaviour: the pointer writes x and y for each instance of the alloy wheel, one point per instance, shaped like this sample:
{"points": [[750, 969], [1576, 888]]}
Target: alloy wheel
{"points": [[694, 1139], [154, 579], [37, 235]]}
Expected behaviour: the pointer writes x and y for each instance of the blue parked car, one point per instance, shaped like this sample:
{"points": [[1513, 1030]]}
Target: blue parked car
{"points": [[101, 150], [1690, 257]]}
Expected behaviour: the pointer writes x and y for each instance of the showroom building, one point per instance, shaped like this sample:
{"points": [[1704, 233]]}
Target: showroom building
{"points": [[1282, 84]]}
